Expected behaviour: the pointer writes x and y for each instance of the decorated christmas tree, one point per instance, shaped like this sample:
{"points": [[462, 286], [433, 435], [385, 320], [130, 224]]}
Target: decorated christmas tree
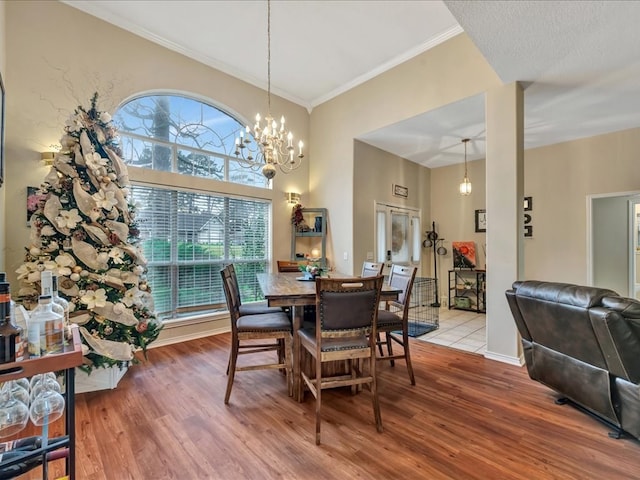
{"points": [[84, 230]]}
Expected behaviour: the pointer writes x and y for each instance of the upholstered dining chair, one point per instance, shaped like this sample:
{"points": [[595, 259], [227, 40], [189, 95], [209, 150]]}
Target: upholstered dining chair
{"points": [[247, 329], [371, 269], [395, 318], [288, 266], [345, 329]]}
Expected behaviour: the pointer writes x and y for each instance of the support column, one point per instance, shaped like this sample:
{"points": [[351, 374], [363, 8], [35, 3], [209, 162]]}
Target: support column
{"points": [[505, 216]]}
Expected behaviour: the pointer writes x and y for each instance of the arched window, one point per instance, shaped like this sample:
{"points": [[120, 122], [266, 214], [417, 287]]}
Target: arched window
{"points": [[188, 235], [173, 133]]}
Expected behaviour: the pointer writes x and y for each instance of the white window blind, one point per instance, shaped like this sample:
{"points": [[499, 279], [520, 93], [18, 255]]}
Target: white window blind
{"points": [[188, 237]]}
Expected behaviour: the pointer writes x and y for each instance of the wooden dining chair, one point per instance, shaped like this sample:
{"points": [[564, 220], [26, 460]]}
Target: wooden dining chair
{"points": [[345, 330], [371, 269], [256, 308], [288, 266], [247, 329], [394, 318]]}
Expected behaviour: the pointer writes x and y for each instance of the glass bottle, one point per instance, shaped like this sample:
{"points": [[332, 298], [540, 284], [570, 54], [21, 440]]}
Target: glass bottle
{"points": [[46, 282], [58, 299], [21, 337], [45, 327], [8, 331]]}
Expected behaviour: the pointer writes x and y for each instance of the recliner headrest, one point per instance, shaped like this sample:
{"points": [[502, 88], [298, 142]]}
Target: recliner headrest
{"points": [[565, 293]]}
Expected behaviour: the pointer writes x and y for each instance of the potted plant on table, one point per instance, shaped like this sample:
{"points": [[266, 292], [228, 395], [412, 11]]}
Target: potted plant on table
{"points": [[311, 270]]}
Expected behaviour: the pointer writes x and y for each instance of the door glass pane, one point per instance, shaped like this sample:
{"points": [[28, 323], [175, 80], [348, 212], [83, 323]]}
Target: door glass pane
{"points": [[399, 237], [381, 240], [416, 239]]}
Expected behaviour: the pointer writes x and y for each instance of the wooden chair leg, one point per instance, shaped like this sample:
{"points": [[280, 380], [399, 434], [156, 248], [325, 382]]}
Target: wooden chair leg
{"points": [[374, 394], [231, 370], [379, 343], [387, 336], [288, 362], [407, 356], [318, 399]]}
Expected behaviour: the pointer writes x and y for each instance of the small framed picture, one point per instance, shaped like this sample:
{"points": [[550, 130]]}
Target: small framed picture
{"points": [[34, 200], [481, 220], [528, 230], [528, 204], [400, 191]]}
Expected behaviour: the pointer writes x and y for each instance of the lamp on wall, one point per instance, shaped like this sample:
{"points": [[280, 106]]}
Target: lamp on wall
{"points": [[47, 158], [274, 144], [465, 186], [292, 197]]}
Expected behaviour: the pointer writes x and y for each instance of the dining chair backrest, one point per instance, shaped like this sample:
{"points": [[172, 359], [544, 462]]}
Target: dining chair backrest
{"points": [[231, 293], [371, 269], [288, 266], [402, 278], [347, 306]]}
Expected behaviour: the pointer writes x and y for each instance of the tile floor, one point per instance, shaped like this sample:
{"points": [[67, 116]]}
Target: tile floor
{"points": [[460, 329]]}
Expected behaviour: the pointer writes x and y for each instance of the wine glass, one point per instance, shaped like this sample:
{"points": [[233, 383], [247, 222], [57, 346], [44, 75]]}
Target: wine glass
{"points": [[47, 404], [45, 383], [13, 413], [37, 378], [19, 392]]}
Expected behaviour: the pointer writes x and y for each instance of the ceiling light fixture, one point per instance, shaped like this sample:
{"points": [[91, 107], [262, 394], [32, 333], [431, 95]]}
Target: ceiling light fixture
{"points": [[465, 186], [274, 145]]}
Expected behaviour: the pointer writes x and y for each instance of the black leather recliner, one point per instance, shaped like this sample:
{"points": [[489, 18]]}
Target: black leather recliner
{"points": [[584, 343]]}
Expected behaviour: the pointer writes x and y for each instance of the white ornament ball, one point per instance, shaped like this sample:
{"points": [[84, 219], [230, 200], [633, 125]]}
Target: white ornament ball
{"points": [[84, 273], [75, 277], [35, 251], [143, 286]]}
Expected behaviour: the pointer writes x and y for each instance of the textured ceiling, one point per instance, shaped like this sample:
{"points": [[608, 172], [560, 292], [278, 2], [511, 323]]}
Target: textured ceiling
{"points": [[578, 60]]}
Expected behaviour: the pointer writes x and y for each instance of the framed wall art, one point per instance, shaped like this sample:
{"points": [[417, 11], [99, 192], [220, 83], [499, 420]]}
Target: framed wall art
{"points": [[34, 200], [464, 254], [481, 220], [400, 191]]}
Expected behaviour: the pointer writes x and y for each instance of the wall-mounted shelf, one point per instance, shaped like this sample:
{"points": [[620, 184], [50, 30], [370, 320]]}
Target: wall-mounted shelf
{"points": [[305, 241]]}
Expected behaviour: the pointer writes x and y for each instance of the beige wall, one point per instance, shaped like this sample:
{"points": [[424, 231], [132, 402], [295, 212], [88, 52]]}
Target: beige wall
{"points": [[559, 178], [375, 172], [58, 56], [442, 75]]}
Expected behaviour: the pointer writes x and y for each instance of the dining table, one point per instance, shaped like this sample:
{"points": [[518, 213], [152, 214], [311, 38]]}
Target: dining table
{"points": [[295, 291]]}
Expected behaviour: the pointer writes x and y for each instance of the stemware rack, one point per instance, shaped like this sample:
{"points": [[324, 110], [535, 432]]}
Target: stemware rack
{"points": [[66, 362]]}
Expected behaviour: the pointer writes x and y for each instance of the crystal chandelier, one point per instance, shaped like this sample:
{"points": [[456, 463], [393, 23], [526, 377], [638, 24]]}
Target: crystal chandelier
{"points": [[274, 145], [465, 186]]}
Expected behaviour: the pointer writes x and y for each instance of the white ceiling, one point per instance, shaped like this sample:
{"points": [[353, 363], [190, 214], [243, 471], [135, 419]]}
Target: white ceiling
{"points": [[579, 60]]}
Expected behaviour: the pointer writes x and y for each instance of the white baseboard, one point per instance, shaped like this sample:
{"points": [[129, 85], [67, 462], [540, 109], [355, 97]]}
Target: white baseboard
{"points": [[517, 361]]}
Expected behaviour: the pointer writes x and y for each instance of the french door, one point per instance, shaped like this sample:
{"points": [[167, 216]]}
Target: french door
{"points": [[398, 235]]}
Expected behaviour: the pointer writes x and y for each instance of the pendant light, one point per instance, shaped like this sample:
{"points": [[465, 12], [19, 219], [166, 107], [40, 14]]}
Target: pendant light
{"points": [[465, 186]]}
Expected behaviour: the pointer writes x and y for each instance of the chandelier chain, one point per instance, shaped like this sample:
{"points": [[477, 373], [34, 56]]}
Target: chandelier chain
{"points": [[274, 143], [269, 57]]}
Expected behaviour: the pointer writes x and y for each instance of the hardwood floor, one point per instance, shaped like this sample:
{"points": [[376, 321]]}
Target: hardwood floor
{"points": [[467, 418]]}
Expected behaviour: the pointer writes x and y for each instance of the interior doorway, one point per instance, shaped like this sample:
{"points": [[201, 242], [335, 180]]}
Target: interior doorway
{"points": [[613, 253], [398, 235], [634, 222]]}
